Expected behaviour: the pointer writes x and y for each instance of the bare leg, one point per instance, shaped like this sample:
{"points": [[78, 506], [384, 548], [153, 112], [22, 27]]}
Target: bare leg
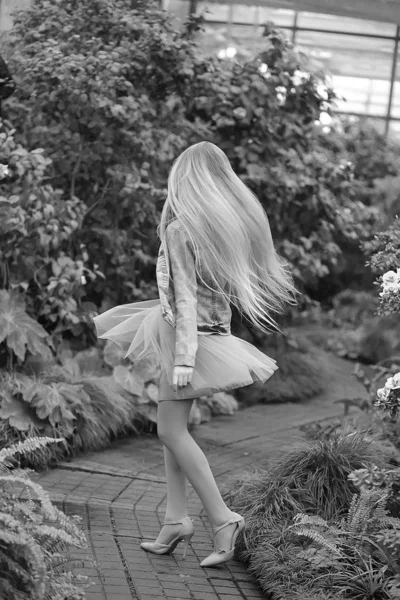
{"points": [[176, 496], [176, 488], [172, 430]]}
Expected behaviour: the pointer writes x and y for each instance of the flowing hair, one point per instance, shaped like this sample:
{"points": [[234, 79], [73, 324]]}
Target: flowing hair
{"points": [[229, 232]]}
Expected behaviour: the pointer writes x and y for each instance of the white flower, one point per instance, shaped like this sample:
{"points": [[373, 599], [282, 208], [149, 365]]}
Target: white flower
{"points": [[239, 112], [393, 383], [83, 280], [4, 171], [382, 393], [390, 277], [392, 287], [299, 77]]}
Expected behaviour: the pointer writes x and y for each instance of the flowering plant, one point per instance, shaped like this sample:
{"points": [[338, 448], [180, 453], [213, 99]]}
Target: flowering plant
{"points": [[389, 396], [390, 294]]}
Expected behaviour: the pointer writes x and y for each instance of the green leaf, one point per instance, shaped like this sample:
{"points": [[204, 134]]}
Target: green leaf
{"points": [[20, 415], [113, 355], [54, 401], [126, 379], [18, 329]]}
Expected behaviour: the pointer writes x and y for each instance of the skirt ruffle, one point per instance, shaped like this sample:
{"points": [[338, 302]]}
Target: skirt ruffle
{"points": [[223, 362]]}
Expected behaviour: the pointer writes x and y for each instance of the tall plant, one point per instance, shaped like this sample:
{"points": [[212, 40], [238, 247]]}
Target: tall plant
{"points": [[114, 94], [34, 535], [42, 268]]}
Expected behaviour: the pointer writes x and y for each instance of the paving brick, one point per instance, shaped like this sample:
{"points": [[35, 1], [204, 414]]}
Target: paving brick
{"points": [[178, 595], [116, 589], [120, 493], [173, 585], [205, 596], [200, 588]]}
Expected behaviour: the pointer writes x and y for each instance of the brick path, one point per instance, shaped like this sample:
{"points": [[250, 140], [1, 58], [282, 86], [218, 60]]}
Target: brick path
{"points": [[120, 493]]}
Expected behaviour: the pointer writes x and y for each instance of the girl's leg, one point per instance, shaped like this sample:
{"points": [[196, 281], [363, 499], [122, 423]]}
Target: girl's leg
{"points": [[172, 429], [176, 496], [176, 488]]}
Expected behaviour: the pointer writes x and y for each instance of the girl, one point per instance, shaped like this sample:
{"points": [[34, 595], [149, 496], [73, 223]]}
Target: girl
{"points": [[216, 250]]}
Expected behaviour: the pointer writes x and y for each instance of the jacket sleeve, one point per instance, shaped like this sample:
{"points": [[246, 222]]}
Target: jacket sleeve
{"points": [[185, 290]]}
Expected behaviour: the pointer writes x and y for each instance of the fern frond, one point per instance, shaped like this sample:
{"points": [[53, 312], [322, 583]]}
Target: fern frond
{"points": [[8, 590], [391, 522], [44, 498], [69, 524], [29, 445], [32, 553], [11, 569], [22, 508], [59, 535], [9, 521], [367, 512], [320, 558], [303, 519], [34, 534], [317, 537]]}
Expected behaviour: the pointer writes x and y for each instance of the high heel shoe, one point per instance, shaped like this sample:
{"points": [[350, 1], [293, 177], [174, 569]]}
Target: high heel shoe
{"points": [[222, 556], [185, 534]]}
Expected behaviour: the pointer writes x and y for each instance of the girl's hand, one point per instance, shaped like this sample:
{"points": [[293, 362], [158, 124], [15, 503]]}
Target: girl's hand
{"points": [[181, 376]]}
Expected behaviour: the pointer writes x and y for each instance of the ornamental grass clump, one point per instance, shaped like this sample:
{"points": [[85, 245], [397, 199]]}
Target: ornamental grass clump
{"points": [[310, 485], [35, 535]]}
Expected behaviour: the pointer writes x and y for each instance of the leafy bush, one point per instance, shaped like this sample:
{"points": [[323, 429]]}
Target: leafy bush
{"points": [[326, 515], [365, 539], [367, 325], [315, 479], [85, 410], [385, 262], [112, 134], [34, 535], [375, 156], [41, 273]]}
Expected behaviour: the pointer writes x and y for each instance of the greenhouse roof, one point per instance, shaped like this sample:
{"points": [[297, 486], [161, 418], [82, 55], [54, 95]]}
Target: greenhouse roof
{"points": [[376, 10]]}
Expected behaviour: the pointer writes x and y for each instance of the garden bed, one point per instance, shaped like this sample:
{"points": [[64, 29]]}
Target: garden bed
{"points": [[323, 519]]}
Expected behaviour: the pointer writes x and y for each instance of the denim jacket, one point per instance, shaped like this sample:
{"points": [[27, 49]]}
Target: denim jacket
{"points": [[186, 303]]}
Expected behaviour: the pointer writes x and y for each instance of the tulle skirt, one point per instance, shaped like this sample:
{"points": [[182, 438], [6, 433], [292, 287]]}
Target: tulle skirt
{"points": [[223, 362]]}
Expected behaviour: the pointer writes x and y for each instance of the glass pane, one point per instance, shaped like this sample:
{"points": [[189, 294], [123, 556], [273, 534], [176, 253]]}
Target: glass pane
{"points": [[363, 96], [394, 130], [244, 14], [396, 92], [215, 37], [245, 40], [216, 12], [396, 100], [7, 7], [337, 23], [378, 124], [348, 55], [178, 8], [280, 16]]}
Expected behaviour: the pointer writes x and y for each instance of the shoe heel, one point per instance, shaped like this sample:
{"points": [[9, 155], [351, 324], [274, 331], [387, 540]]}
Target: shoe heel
{"points": [[187, 539]]}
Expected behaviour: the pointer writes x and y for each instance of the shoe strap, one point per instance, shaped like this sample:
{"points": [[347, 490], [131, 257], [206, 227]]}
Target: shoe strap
{"points": [[230, 522], [177, 522]]}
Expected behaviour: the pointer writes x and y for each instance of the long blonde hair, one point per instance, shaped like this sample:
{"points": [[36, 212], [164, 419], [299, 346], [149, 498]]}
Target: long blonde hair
{"points": [[229, 232]]}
